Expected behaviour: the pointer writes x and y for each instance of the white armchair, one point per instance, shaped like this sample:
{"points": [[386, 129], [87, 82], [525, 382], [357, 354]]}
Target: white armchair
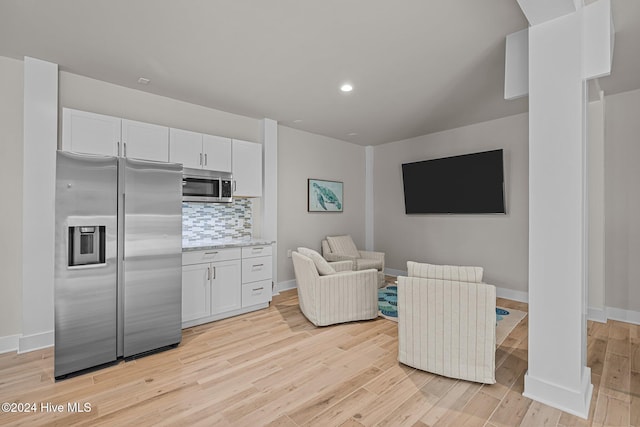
{"points": [[342, 248], [447, 322], [335, 298]]}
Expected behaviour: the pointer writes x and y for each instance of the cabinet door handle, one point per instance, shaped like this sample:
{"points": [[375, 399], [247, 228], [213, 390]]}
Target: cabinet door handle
{"points": [[124, 145], [208, 273], [205, 159], [234, 185], [118, 148], [214, 273], [200, 159]]}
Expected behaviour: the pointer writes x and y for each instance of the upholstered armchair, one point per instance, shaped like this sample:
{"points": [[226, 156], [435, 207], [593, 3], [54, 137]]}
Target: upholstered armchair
{"points": [[338, 297], [447, 321], [341, 248]]}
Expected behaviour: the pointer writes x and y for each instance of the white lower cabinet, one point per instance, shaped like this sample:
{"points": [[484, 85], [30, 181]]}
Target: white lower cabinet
{"points": [[222, 283], [196, 292], [226, 294]]}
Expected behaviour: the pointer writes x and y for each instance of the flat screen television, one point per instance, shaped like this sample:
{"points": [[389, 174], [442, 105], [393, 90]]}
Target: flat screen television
{"points": [[467, 184]]}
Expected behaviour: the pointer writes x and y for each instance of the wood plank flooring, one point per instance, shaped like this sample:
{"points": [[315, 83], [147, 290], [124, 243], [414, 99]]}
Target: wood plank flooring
{"points": [[273, 367]]}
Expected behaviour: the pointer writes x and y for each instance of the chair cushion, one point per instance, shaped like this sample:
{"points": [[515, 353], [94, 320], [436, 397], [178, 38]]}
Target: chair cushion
{"points": [[366, 263], [343, 245], [445, 272], [323, 267]]}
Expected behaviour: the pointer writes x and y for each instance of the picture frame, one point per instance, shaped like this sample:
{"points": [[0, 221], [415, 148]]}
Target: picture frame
{"points": [[325, 196]]}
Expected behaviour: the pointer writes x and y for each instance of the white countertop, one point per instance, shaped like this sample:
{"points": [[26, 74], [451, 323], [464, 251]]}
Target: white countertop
{"points": [[205, 244]]}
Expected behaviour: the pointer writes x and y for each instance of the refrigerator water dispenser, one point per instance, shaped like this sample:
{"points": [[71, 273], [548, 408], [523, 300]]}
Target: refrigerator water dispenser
{"points": [[86, 245]]}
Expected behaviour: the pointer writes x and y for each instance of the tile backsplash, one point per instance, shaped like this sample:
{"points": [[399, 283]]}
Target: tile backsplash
{"points": [[217, 221]]}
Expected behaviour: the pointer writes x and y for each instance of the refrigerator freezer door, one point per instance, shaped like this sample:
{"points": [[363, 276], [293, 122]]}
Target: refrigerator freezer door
{"points": [[152, 273], [85, 295]]}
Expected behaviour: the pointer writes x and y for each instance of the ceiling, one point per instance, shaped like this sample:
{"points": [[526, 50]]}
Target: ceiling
{"points": [[417, 66]]}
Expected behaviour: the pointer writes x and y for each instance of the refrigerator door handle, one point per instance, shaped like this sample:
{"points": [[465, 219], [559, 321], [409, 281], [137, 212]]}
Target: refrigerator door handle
{"points": [[124, 201]]}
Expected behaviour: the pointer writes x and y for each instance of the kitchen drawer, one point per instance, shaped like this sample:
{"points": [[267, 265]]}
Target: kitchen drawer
{"points": [[256, 251], [199, 257], [256, 293], [256, 269]]}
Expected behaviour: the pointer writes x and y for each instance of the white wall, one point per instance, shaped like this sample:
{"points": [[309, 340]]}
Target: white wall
{"points": [[96, 96], [303, 155], [622, 201], [499, 243], [11, 112]]}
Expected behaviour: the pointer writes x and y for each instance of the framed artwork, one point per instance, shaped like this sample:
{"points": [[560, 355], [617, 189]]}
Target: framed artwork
{"points": [[324, 196]]}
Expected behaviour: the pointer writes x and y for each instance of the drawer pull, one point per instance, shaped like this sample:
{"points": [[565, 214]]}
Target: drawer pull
{"points": [[257, 249], [258, 265], [211, 253], [258, 289]]}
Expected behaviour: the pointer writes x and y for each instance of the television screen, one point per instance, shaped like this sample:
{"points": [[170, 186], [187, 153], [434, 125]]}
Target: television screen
{"points": [[467, 184]]}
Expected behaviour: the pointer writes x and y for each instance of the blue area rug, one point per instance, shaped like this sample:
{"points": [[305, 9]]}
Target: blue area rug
{"points": [[388, 304]]}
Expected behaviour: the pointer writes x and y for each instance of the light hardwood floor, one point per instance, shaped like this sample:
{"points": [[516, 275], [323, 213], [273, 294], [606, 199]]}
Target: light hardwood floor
{"points": [[273, 367]]}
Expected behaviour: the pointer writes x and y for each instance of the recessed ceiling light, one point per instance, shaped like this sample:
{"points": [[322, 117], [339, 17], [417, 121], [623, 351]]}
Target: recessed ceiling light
{"points": [[143, 81], [297, 121], [352, 134], [346, 87]]}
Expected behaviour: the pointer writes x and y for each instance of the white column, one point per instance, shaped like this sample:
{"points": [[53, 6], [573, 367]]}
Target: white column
{"points": [[39, 178], [368, 199], [269, 130], [562, 54], [595, 166]]}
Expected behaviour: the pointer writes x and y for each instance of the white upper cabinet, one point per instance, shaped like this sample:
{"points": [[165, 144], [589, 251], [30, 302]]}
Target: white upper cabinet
{"points": [[199, 151], [145, 141], [247, 168], [91, 133], [217, 153], [185, 147]]}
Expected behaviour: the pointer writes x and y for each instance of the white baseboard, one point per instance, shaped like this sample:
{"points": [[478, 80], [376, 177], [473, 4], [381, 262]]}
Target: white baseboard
{"points": [[623, 315], [9, 343], [35, 342], [286, 285], [597, 314], [575, 402], [513, 295]]}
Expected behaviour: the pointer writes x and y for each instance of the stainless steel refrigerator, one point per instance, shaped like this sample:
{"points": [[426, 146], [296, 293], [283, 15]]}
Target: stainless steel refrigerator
{"points": [[118, 277]]}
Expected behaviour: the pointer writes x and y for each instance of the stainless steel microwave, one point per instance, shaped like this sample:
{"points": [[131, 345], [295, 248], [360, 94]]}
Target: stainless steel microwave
{"points": [[199, 185]]}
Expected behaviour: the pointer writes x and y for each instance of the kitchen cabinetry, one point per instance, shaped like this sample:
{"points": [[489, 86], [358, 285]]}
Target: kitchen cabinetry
{"points": [[221, 283], [247, 168], [145, 141], [196, 291], [185, 147], [84, 132], [225, 292], [256, 275], [200, 151], [92, 133], [217, 153]]}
